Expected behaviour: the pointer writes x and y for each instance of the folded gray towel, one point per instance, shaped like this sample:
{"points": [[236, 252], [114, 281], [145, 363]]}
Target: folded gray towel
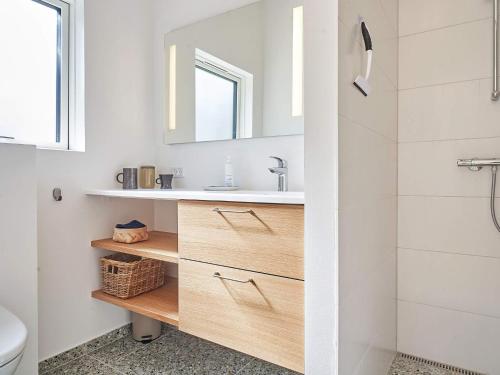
{"points": [[134, 224]]}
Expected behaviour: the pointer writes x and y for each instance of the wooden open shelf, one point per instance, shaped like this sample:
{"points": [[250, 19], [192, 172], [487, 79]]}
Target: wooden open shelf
{"points": [[161, 246], [160, 304]]}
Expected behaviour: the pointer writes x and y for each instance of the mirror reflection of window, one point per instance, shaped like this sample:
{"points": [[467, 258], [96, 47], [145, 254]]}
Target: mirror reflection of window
{"points": [[239, 74], [216, 104], [223, 99]]}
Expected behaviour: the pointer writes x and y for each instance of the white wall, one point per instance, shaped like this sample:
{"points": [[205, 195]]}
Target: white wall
{"points": [[119, 133], [321, 186], [18, 244], [449, 255], [123, 115], [203, 163], [368, 190]]}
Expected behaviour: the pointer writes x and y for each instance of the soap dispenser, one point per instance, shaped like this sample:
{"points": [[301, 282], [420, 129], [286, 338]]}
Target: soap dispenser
{"points": [[228, 173]]}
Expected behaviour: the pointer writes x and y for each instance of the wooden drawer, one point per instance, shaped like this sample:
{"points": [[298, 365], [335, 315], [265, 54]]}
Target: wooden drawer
{"points": [[258, 237], [263, 318]]}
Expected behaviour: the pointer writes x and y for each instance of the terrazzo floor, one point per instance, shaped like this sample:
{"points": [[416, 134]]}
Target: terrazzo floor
{"points": [[173, 353], [176, 353]]}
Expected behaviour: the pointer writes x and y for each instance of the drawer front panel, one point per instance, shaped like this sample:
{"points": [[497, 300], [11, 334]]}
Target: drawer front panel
{"points": [[263, 318], [257, 237]]}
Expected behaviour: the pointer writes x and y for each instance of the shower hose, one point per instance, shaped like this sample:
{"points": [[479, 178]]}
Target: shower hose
{"points": [[492, 197]]}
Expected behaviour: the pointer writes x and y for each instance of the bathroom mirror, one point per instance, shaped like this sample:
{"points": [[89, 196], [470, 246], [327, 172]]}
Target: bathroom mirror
{"points": [[236, 75]]}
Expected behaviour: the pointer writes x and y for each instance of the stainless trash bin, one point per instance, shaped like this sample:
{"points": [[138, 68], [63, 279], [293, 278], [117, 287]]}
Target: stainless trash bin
{"points": [[145, 329]]}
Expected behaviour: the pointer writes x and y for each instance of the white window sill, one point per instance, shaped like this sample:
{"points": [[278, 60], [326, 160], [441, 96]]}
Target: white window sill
{"points": [[45, 148]]}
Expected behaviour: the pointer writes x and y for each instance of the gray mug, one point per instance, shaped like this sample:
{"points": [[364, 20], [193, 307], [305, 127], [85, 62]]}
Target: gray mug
{"points": [[165, 181], [129, 178]]}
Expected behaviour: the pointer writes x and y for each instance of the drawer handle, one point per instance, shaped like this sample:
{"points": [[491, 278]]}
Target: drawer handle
{"points": [[219, 276], [223, 210]]}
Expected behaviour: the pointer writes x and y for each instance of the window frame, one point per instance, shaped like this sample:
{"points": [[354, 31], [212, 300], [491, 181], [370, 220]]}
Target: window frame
{"points": [[71, 101], [63, 62], [236, 80]]}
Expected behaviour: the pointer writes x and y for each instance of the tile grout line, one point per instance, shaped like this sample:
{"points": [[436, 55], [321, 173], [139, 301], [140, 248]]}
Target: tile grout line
{"points": [[101, 347], [63, 364], [389, 18], [127, 354], [107, 365], [405, 142], [89, 354], [449, 309], [246, 365], [446, 83], [48, 372], [121, 357], [83, 353], [477, 20], [371, 130], [448, 252], [429, 196], [93, 352]]}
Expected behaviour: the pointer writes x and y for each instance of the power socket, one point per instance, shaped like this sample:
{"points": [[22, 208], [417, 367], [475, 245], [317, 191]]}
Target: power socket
{"points": [[178, 172]]}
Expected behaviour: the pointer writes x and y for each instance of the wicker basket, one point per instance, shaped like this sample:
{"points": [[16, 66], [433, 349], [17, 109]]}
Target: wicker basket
{"points": [[126, 276], [131, 235]]}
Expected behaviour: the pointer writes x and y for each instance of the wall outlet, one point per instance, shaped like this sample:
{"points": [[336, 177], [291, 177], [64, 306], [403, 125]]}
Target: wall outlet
{"points": [[178, 172]]}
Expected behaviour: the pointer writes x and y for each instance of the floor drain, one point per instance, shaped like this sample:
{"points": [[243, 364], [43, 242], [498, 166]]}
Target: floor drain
{"points": [[452, 369]]}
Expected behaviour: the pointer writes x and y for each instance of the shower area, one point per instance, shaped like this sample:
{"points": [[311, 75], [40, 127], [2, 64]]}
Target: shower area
{"points": [[418, 161]]}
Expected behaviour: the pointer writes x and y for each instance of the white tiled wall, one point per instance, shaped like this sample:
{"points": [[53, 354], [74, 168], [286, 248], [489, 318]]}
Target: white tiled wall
{"points": [[368, 190], [445, 55], [449, 250], [449, 224], [451, 336], [424, 15]]}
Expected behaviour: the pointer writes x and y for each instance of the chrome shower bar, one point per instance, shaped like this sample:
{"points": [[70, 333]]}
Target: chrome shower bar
{"points": [[495, 94], [477, 163]]}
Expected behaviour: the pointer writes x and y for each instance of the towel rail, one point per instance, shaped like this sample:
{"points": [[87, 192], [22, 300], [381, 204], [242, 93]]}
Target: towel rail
{"points": [[495, 95]]}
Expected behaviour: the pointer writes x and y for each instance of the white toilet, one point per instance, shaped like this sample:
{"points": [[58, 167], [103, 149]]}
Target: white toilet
{"points": [[13, 336]]}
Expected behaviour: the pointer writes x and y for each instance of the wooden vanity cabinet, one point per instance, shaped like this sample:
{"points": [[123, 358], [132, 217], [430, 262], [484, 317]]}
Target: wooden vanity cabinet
{"points": [[266, 238], [241, 277], [240, 268]]}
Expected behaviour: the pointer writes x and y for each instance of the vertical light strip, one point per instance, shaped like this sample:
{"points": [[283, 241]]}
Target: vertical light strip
{"points": [[298, 62], [172, 89]]}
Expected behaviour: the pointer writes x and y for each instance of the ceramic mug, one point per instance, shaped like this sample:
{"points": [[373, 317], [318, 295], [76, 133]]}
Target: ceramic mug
{"points": [[165, 181], [129, 178], [147, 177]]}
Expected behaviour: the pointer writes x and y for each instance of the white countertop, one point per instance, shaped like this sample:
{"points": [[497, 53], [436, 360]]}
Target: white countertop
{"points": [[201, 195]]}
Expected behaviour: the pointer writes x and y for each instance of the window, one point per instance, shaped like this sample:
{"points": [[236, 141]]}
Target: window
{"points": [[37, 74]]}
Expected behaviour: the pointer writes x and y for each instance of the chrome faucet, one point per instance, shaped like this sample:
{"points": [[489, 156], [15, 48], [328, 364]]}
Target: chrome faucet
{"points": [[282, 172]]}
